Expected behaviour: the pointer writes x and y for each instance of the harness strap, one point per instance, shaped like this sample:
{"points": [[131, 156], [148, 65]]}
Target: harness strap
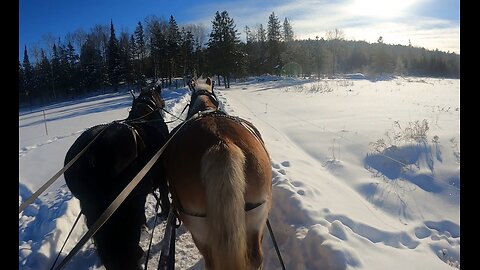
{"points": [[112, 207], [246, 124], [35, 195], [66, 239], [135, 136], [150, 104], [122, 196]]}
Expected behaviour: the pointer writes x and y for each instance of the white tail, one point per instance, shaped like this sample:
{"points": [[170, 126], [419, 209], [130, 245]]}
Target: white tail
{"points": [[224, 178]]}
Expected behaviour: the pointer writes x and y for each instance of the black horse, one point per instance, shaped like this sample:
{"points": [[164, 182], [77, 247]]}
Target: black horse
{"points": [[108, 165]]}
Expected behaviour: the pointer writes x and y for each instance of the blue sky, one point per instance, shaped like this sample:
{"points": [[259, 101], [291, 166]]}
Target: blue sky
{"points": [[426, 23]]}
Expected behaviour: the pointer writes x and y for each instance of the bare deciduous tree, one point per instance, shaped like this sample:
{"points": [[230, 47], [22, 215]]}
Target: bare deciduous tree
{"points": [[335, 36]]}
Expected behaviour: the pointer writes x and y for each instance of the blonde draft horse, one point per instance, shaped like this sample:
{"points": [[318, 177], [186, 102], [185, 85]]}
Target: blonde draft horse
{"points": [[220, 177]]}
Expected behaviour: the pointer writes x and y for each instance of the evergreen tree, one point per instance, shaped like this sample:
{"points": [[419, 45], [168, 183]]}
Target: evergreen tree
{"points": [[140, 55], [99, 38], [158, 49], [28, 75], [287, 31], [164, 51], [187, 52], [21, 88], [113, 59], [262, 34], [90, 65], [358, 59], [126, 58], [56, 70], [318, 57], [262, 50], [133, 54], [383, 63], [250, 48], [72, 61], [222, 46], [274, 36], [43, 79], [173, 48], [249, 37]]}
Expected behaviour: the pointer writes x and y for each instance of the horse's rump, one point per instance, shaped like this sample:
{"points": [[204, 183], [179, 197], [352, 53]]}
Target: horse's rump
{"points": [[217, 168]]}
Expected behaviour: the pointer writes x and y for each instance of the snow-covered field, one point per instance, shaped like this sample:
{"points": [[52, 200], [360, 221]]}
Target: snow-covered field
{"points": [[366, 174]]}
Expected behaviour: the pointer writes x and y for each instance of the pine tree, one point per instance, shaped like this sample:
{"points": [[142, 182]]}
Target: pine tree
{"points": [[187, 52], [28, 75], [126, 57], [113, 59], [91, 65], [262, 34], [250, 48], [173, 48], [56, 72], [222, 45], [262, 50], [274, 37], [43, 79], [287, 31], [71, 60], [158, 49], [140, 54], [21, 86]]}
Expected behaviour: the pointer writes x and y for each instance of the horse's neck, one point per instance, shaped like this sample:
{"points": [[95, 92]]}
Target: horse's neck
{"points": [[201, 103], [150, 127]]}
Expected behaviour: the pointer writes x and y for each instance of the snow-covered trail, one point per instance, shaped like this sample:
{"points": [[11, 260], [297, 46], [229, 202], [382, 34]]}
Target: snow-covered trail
{"points": [[330, 210]]}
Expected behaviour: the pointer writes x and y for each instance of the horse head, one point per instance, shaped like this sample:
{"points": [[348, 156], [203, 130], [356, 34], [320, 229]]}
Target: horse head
{"points": [[203, 97], [147, 103]]}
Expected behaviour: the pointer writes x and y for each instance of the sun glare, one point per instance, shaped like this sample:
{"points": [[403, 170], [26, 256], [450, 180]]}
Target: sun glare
{"points": [[380, 8]]}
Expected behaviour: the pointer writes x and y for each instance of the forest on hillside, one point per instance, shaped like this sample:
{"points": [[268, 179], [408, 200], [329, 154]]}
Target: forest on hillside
{"points": [[162, 50]]}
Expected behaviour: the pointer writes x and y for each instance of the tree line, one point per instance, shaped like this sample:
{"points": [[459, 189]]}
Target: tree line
{"points": [[162, 50]]}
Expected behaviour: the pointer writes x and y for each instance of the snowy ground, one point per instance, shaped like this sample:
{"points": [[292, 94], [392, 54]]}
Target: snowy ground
{"points": [[366, 174]]}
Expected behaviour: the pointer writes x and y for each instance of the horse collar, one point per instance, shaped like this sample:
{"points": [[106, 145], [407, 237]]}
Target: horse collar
{"points": [[213, 98]]}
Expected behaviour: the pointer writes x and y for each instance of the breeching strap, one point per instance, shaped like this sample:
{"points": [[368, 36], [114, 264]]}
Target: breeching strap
{"points": [[35, 195]]}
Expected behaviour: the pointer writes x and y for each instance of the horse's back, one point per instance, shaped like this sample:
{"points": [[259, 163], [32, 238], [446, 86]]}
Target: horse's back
{"points": [[187, 148], [110, 153]]}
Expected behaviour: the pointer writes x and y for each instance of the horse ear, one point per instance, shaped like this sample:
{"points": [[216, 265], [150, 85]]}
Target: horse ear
{"points": [[133, 95], [209, 81]]}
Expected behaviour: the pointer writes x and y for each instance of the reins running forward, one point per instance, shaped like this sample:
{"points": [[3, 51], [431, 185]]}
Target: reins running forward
{"points": [[275, 244], [54, 178], [153, 230], [66, 239], [123, 195], [35, 195]]}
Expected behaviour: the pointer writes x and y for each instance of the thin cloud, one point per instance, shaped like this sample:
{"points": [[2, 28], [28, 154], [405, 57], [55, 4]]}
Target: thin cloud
{"points": [[311, 18]]}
